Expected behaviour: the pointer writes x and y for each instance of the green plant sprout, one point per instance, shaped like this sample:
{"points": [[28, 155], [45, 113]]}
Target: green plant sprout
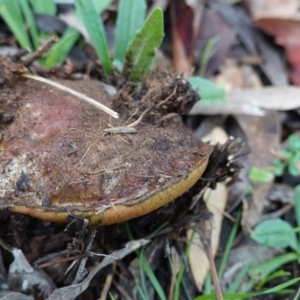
{"points": [[290, 158], [18, 15], [206, 55], [136, 39]]}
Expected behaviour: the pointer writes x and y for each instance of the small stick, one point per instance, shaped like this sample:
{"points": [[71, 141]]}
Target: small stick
{"points": [[40, 52], [120, 130], [74, 93]]}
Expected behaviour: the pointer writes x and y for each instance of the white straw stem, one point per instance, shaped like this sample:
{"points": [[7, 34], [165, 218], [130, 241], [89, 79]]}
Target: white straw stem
{"points": [[74, 93]]}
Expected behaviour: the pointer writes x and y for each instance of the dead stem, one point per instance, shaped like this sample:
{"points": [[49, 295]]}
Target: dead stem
{"points": [[40, 52], [74, 93], [214, 274], [135, 123]]}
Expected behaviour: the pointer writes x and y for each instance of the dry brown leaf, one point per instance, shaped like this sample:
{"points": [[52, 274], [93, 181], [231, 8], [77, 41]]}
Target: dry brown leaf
{"points": [[273, 8], [216, 202], [233, 77], [254, 42], [281, 19], [263, 133], [185, 18], [197, 259], [287, 34]]}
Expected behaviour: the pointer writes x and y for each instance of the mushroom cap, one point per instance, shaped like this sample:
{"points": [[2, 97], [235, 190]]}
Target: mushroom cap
{"points": [[56, 160]]}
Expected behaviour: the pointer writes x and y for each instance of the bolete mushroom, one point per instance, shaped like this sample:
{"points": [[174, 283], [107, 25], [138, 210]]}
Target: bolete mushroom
{"points": [[56, 159]]}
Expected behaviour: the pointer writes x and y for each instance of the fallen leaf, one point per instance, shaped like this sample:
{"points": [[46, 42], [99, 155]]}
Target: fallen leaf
{"points": [[280, 19], [273, 8], [262, 133], [253, 101], [216, 202], [254, 42], [185, 18]]}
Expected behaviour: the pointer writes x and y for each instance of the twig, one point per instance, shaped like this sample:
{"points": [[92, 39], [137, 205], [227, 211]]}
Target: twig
{"points": [[204, 230], [74, 93], [40, 52], [71, 258], [120, 130], [136, 122]]}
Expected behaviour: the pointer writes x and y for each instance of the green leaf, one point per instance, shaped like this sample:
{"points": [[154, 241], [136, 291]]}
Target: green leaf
{"points": [[292, 168], [279, 166], [286, 153], [130, 19], [60, 50], [95, 29], [141, 52], [209, 92], [294, 164], [30, 22], [275, 233], [206, 55], [44, 7], [261, 175], [294, 142], [11, 14]]}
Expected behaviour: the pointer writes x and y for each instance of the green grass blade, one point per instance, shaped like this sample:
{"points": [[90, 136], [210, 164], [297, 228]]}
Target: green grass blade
{"points": [[142, 292], [131, 15], [297, 296], [61, 49], [265, 280], [95, 29], [11, 14], [30, 22], [155, 283], [275, 289], [239, 278], [266, 268], [179, 277], [229, 245], [141, 52], [44, 7], [207, 54]]}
